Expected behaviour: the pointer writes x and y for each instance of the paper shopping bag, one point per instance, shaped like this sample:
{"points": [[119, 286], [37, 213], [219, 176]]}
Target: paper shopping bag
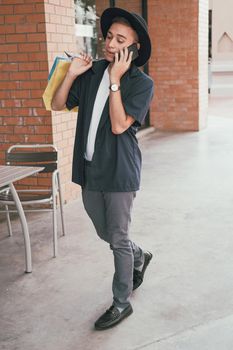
{"points": [[56, 76]]}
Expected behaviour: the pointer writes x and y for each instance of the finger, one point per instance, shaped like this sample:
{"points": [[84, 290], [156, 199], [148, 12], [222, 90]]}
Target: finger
{"points": [[80, 56], [126, 53], [90, 58], [85, 56], [130, 56], [89, 64], [117, 56], [122, 55]]}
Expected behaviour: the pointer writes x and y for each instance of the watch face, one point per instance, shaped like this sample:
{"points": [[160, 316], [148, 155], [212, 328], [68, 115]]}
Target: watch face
{"points": [[114, 87]]}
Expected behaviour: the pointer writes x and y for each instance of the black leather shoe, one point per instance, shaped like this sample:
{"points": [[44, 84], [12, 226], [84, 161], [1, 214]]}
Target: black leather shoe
{"points": [[112, 317], [139, 275]]}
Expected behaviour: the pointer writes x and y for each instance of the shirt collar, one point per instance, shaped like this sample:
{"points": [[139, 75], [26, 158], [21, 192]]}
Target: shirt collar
{"points": [[133, 70], [99, 65]]}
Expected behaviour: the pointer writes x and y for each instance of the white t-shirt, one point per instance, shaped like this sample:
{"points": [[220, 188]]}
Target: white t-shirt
{"points": [[100, 100]]}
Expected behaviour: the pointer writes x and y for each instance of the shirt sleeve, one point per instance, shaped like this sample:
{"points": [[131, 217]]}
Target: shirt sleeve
{"points": [[74, 94], [138, 101]]}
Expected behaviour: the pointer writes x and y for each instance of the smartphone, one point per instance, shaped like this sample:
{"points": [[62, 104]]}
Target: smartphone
{"points": [[133, 48]]}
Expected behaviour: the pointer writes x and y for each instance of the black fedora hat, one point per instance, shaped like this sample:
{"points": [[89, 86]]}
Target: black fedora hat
{"points": [[137, 23]]}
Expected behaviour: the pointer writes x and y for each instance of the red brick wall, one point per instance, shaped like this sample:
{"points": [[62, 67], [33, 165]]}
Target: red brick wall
{"points": [[130, 5], [24, 69], [173, 27], [31, 35], [101, 6]]}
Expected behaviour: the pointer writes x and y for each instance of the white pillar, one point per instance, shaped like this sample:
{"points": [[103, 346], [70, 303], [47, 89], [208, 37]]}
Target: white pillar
{"points": [[203, 62], [222, 48]]}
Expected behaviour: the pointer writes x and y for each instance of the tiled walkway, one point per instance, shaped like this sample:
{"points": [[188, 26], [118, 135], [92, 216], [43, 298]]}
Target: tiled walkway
{"points": [[183, 213]]}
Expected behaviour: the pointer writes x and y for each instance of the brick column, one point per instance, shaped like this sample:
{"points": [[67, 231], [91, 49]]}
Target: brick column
{"points": [[24, 70], [60, 21], [31, 35], [179, 63]]}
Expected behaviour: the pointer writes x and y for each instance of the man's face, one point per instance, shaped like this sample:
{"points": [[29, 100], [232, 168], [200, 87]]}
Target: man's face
{"points": [[119, 36]]}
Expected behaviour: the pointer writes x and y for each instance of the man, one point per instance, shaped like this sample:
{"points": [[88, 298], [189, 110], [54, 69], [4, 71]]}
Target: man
{"points": [[113, 96]]}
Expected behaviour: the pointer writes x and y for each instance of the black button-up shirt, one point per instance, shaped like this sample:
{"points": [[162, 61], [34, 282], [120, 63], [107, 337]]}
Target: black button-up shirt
{"points": [[116, 162]]}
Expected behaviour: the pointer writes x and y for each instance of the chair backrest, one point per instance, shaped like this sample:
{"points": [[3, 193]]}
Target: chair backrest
{"points": [[44, 155]]}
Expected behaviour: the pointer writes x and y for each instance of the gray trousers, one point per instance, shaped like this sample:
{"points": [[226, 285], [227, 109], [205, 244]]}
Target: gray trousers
{"points": [[110, 213]]}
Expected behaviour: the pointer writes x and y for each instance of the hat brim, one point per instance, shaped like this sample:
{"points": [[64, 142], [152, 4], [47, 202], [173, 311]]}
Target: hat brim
{"points": [[145, 44]]}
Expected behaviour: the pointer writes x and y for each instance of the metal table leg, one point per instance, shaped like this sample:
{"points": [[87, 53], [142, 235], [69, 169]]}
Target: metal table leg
{"points": [[27, 244]]}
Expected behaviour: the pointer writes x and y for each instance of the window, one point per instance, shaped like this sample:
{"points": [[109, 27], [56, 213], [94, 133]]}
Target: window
{"points": [[86, 27]]}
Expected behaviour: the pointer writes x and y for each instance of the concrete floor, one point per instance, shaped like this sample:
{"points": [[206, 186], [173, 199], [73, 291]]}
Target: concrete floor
{"points": [[183, 214]]}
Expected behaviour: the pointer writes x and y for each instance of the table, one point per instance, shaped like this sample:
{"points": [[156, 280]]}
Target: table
{"points": [[8, 175]]}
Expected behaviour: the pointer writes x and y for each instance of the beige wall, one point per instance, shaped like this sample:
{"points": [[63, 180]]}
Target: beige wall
{"points": [[60, 20], [222, 48]]}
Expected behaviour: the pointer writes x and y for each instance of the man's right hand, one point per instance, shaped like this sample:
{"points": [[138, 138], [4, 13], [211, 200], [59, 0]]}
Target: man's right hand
{"points": [[80, 65]]}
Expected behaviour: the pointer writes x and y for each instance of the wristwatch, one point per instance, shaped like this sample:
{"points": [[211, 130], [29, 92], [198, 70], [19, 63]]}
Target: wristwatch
{"points": [[114, 87]]}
